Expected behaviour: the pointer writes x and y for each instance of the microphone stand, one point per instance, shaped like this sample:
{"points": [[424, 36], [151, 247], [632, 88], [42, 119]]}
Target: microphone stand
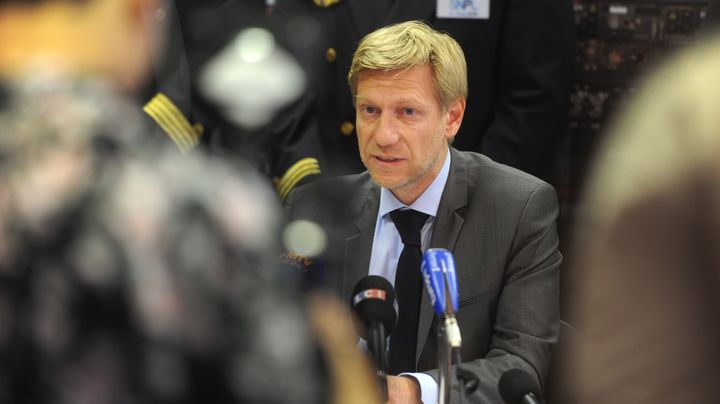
{"points": [[378, 349], [449, 345], [449, 342], [444, 366]]}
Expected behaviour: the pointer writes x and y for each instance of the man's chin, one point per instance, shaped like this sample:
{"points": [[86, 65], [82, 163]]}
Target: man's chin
{"points": [[389, 182]]}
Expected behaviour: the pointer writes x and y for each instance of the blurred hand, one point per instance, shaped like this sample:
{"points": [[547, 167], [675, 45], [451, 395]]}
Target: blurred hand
{"points": [[403, 390], [352, 375]]}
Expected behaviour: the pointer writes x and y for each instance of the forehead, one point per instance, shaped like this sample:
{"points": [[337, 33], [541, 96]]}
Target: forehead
{"points": [[416, 81]]}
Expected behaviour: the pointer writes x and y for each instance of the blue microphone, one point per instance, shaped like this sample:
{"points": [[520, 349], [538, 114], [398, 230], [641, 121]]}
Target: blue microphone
{"points": [[438, 271]]}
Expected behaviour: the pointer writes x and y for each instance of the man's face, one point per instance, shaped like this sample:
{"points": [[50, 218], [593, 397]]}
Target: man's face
{"points": [[402, 129]]}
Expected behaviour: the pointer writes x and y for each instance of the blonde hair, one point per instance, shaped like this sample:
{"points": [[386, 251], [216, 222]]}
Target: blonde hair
{"points": [[410, 44]]}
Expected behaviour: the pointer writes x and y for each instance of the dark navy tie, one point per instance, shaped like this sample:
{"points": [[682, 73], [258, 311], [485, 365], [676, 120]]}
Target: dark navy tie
{"points": [[408, 289]]}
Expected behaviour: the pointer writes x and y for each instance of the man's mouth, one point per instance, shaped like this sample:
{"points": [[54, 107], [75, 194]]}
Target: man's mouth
{"points": [[387, 159]]}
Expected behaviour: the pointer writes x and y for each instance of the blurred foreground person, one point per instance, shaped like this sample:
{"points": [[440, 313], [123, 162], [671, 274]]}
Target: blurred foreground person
{"points": [[128, 273], [647, 301]]}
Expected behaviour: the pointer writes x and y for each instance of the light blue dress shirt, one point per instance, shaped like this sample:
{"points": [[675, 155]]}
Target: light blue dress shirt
{"points": [[387, 247]]}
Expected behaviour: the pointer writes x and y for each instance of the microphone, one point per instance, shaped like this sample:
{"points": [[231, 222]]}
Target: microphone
{"points": [[309, 271], [516, 386], [438, 272], [373, 301]]}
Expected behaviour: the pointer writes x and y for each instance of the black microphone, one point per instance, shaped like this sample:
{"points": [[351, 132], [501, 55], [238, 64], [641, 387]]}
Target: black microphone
{"points": [[518, 387], [373, 301], [310, 272]]}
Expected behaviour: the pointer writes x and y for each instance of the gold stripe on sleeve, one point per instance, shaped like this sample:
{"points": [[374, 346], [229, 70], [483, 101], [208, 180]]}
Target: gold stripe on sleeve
{"points": [[294, 174], [172, 121]]}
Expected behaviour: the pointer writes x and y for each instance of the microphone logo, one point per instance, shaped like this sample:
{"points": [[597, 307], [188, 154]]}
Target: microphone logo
{"points": [[429, 287], [369, 294]]}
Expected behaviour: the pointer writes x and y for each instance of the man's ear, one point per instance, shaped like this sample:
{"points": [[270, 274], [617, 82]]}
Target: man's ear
{"points": [[453, 117]]}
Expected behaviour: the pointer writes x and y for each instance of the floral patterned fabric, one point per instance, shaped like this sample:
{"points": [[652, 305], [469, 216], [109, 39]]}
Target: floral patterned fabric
{"points": [[130, 273]]}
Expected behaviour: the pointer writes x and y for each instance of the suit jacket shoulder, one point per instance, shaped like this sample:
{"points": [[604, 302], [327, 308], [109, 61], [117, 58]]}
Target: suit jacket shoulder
{"points": [[475, 176], [321, 200], [482, 167]]}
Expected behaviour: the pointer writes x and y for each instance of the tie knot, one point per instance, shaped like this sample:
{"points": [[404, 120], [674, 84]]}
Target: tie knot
{"points": [[409, 224]]}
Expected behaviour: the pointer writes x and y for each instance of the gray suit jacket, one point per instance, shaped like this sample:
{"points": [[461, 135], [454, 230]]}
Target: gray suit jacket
{"points": [[500, 225]]}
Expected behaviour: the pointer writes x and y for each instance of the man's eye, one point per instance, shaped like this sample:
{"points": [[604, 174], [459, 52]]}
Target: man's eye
{"points": [[409, 111], [370, 110]]}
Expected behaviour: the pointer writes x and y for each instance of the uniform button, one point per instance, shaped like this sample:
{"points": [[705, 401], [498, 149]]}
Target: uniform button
{"points": [[331, 55], [346, 128]]}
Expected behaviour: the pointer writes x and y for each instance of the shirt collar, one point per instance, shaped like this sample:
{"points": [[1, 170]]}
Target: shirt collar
{"points": [[428, 202]]}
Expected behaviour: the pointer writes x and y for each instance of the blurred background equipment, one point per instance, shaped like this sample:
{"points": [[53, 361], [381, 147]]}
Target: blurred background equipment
{"points": [[617, 44]]}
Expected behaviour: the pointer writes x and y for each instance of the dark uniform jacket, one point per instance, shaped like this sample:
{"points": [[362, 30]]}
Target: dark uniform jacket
{"points": [[288, 149]]}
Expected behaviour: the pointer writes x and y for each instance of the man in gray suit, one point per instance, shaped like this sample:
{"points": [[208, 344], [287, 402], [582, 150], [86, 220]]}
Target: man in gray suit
{"points": [[409, 84]]}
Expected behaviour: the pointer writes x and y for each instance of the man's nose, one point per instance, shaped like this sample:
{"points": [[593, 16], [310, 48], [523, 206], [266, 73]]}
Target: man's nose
{"points": [[386, 132]]}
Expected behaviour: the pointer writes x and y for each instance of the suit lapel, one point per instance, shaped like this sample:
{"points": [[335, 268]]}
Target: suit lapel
{"points": [[358, 247], [445, 232], [448, 221]]}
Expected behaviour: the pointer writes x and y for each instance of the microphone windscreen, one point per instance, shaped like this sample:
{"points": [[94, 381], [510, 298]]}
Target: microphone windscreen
{"points": [[515, 384], [373, 301], [438, 269]]}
